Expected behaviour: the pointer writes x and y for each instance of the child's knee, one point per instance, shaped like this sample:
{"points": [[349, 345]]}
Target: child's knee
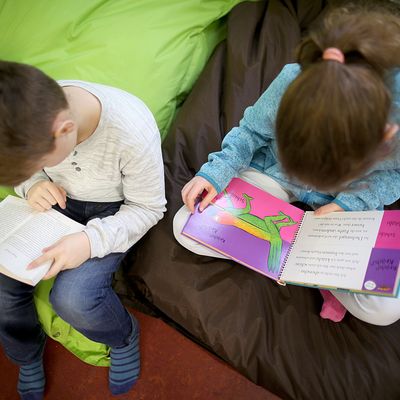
{"points": [[59, 300], [71, 303], [386, 316], [179, 222], [375, 310]]}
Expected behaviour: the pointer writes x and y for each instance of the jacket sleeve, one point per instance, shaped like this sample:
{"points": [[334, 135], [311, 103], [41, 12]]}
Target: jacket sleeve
{"points": [[382, 186], [394, 83], [379, 188], [256, 129], [144, 205]]}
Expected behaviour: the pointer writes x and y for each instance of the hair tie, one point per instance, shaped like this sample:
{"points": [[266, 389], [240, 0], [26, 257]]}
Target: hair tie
{"points": [[333, 54]]}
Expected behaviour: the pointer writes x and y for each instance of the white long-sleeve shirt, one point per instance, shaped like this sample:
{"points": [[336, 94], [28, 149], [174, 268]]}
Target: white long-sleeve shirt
{"points": [[121, 160]]}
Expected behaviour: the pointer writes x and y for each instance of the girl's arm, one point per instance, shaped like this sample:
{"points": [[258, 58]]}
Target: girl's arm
{"points": [[255, 131], [380, 188]]}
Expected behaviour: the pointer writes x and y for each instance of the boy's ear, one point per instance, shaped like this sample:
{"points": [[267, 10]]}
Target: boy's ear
{"points": [[390, 131], [63, 128]]}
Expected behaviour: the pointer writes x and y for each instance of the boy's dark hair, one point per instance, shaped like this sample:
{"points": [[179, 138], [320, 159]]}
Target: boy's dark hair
{"points": [[331, 120], [29, 104]]}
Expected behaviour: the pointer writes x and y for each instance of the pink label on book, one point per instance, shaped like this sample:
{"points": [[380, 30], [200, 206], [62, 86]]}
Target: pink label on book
{"points": [[389, 231]]}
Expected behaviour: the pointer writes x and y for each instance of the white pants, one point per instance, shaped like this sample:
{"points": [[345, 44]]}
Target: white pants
{"points": [[375, 310]]}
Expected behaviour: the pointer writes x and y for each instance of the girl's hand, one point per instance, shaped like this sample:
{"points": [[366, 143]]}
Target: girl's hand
{"points": [[68, 253], [327, 208], [45, 194], [193, 189]]}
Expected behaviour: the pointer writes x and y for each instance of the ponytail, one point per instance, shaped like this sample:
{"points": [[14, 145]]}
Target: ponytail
{"points": [[331, 120], [364, 35]]}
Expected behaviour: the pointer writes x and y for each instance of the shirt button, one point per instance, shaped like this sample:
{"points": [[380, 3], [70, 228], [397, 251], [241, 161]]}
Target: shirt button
{"points": [[57, 334], [75, 153], [77, 169], [74, 163]]}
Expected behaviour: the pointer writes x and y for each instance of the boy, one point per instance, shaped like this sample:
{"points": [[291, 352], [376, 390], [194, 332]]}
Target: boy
{"points": [[93, 153]]}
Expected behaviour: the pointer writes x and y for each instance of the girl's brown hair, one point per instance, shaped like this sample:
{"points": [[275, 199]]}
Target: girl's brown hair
{"points": [[29, 104], [331, 120]]}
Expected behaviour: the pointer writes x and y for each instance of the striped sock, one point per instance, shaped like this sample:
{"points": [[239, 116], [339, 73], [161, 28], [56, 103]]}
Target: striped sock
{"points": [[31, 381], [125, 364]]}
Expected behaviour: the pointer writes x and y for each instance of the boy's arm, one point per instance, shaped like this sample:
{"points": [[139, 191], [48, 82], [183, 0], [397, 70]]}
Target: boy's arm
{"points": [[376, 190], [143, 188], [255, 131], [23, 188]]}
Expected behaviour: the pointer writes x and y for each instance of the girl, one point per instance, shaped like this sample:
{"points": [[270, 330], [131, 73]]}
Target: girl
{"points": [[324, 133]]}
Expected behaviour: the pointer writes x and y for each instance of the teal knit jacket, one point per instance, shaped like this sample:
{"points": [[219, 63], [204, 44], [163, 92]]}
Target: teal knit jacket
{"points": [[253, 144]]}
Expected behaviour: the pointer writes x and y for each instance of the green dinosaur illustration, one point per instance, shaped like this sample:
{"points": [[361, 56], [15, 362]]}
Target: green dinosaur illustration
{"points": [[267, 228]]}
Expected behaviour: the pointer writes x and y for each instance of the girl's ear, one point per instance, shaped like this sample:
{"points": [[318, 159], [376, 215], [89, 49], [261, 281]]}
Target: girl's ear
{"points": [[390, 131]]}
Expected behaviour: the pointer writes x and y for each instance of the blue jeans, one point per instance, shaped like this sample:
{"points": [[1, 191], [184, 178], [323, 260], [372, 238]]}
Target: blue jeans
{"points": [[83, 297]]}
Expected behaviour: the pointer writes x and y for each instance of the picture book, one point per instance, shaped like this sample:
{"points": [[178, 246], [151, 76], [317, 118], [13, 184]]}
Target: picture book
{"points": [[24, 233], [358, 251]]}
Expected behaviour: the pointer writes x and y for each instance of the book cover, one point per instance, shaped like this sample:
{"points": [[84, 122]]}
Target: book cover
{"points": [[248, 225]]}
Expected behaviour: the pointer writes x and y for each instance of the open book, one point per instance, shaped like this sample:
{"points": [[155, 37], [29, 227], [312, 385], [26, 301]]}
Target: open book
{"points": [[24, 233], [358, 251]]}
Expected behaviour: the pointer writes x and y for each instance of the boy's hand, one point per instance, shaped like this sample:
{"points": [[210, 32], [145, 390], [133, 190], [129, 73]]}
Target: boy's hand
{"points": [[68, 253], [193, 189], [44, 194], [327, 208]]}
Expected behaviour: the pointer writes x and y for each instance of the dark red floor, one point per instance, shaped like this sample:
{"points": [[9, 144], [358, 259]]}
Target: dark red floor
{"points": [[173, 368]]}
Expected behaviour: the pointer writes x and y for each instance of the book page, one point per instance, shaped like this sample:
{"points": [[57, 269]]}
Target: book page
{"points": [[27, 242], [333, 250], [331, 266], [13, 213], [348, 228], [18, 262]]}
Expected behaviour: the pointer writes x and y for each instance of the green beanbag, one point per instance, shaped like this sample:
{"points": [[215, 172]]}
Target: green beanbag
{"points": [[5, 191], [153, 49]]}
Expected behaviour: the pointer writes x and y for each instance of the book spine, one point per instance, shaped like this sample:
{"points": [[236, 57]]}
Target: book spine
{"points": [[279, 280]]}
